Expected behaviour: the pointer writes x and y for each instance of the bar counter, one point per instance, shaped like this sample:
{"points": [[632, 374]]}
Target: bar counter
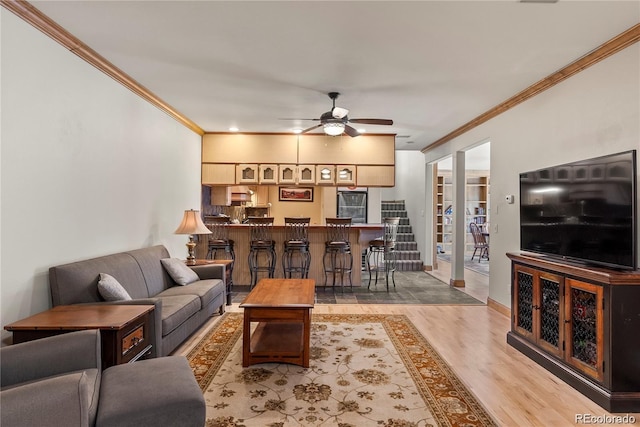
{"points": [[359, 236]]}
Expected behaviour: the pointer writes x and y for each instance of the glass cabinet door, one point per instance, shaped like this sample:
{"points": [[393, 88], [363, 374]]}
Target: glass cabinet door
{"points": [[523, 294], [268, 174], [346, 174], [325, 174], [287, 174], [306, 174], [583, 308], [550, 313], [538, 308], [247, 174]]}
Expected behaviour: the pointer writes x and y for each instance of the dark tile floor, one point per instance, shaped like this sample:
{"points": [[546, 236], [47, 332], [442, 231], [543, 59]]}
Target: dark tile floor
{"points": [[412, 287]]}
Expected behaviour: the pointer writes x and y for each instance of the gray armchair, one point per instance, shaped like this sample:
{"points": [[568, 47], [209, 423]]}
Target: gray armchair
{"points": [[53, 381], [58, 381]]}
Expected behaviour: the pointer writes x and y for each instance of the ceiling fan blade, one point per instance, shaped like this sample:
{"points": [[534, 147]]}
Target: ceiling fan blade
{"points": [[339, 112], [351, 131], [311, 128], [372, 121]]}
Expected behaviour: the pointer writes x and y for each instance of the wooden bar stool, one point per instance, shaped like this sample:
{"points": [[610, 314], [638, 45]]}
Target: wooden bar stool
{"points": [[381, 256], [262, 249], [296, 257], [337, 259], [221, 247]]}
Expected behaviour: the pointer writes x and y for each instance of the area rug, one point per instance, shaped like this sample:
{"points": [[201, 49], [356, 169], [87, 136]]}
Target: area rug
{"points": [[365, 370]]}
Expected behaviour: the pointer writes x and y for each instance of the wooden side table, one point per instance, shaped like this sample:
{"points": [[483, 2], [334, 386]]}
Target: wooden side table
{"points": [[124, 329], [228, 279]]}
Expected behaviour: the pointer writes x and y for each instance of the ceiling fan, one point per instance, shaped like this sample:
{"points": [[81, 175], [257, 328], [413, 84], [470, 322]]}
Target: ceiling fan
{"points": [[336, 121]]}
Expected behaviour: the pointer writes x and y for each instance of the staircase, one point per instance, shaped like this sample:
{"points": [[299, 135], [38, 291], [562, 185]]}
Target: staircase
{"points": [[407, 253]]}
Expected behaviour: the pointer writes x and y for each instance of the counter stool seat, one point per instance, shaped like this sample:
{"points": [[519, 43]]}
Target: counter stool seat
{"points": [[221, 247], [337, 260], [296, 258], [381, 254], [262, 248]]}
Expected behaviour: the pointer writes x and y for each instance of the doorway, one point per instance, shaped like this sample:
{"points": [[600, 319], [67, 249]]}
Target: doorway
{"points": [[477, 211]]}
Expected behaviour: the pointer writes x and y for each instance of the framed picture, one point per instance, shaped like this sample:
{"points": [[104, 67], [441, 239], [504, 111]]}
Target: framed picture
{"points": [[296, 194]]}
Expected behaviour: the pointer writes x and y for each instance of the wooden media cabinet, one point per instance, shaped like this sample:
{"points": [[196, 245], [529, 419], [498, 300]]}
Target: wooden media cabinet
{"points": [[580, 323]]}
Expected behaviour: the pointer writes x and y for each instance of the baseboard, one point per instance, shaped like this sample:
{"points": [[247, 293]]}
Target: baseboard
{"points": [[502, 309], [427, 267]]}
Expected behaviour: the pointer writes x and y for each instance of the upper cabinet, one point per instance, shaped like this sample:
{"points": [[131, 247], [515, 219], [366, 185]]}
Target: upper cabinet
{"points": [[287, 174], [223, 174], [325, 175], [344, 150], [346, 175], [247, 174], [268, 174], [376, 176], [368, 160], [297, 174], [306, 174]]}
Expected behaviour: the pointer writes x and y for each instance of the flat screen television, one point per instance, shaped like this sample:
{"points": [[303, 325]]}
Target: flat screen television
{"points": [[583, 211]]}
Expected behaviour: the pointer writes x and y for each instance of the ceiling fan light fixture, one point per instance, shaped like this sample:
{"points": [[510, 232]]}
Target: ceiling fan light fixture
{"points": [[333, 128]]}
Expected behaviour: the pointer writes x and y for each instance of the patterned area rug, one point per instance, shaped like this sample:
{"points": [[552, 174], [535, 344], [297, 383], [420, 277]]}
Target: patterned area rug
{"points": [[365, 370]]}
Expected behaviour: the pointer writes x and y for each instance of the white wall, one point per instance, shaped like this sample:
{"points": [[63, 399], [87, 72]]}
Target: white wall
{"points": [[87, 168], [593, 113]]}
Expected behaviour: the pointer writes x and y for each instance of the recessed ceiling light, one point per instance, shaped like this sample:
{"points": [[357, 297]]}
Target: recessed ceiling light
{"points": [[362, 130], [296, 130], [233, 129]]}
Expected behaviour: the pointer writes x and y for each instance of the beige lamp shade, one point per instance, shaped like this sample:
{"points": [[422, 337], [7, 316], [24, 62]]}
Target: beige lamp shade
{"points": [[192, 224]]}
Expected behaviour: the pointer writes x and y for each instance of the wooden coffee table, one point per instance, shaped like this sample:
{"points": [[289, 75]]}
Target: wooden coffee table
{"points": [[283, 309]]}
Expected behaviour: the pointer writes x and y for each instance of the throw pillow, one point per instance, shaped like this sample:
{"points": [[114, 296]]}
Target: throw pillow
{"points": [[111, 290], [179, 272]]}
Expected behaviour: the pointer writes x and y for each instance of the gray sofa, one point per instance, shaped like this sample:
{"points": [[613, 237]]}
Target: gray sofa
{"points": [[179, 310], [59, 382]]}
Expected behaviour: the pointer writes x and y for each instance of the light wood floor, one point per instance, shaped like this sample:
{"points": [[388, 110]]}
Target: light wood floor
{"points": [[476, 284], [472, 339]]}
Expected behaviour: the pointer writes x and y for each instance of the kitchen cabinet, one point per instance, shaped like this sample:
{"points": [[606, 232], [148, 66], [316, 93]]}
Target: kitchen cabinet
{"points": [[221, 195], [306, 174], [370, 158], [218, 174], [247, 174], [297, 174], [268, 174], [581, 324], [375, 176], [346, 175], [325, 174], [287, 174]]}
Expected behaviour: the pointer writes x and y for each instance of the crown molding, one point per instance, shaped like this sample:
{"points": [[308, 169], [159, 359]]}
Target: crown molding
{"points": [[37, 19], [616, 44]]}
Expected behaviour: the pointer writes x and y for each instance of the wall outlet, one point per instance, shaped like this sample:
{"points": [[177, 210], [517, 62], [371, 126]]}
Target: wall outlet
{"points": [[509, 198]]}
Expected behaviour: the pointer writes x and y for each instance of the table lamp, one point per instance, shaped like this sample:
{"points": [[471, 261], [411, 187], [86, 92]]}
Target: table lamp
{"points": [[192, 224]]}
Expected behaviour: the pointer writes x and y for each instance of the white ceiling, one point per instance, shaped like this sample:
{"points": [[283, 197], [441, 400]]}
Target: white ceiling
{"points": [[431, 66]]}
